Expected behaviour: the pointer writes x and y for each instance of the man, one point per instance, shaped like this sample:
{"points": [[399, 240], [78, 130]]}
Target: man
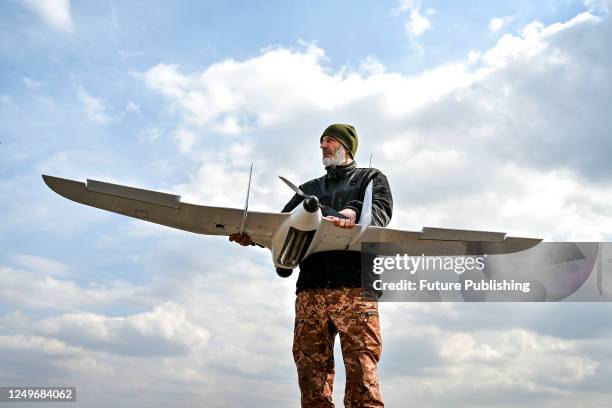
{"points": [[328, 287]]}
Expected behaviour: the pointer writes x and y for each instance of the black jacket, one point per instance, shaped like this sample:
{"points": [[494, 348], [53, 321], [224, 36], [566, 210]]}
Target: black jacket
{"points": [[342, 187]]}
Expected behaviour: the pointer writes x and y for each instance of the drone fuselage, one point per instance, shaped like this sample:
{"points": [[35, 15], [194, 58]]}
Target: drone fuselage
{"points": [[296, 237]]}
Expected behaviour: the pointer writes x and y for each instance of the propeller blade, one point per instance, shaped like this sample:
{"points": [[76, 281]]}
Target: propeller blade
{"points": [[326, 210], [293, 186], [330, 211]]}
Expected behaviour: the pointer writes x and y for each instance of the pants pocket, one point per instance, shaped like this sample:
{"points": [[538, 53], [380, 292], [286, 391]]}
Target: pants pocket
{"points": [[370, 331]]}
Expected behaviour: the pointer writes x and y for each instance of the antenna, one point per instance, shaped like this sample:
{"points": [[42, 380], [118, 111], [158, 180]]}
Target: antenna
{"points": [[370, 164], [246, 203], [365, 219]]}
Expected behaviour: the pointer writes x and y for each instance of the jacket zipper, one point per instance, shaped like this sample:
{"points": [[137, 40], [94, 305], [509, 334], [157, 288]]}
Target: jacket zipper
{"points": [[334, 192]]}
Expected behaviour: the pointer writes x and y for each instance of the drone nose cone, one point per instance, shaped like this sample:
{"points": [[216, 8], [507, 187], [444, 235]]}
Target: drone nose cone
{"points": [[284, 273], [311, 204]]}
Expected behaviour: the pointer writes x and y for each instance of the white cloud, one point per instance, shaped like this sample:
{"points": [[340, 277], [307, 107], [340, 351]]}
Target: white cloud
{"points": [[232, 97], [40, 290], [371, 66], [473, 57], [548, 205], [515, 359], [186, 139], [598, 6], [204, 343], [165, 78], [34, 356], [405, 5], [497, 23], [95, 109], [418, 23], [164, 330], [132, 107], [38, 343], [41, 264], [206, 99], [56, 13], [441, 353], [152, 133]]}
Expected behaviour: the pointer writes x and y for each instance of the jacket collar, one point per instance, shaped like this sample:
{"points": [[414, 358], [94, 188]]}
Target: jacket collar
{"points": [[339, 172]]}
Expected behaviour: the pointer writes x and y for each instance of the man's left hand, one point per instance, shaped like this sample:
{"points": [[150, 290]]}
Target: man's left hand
{"points": [[344, 222]]}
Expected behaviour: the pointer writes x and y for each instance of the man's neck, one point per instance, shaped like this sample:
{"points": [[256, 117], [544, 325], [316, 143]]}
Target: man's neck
{"points": [[340, 170], [344, 163]]}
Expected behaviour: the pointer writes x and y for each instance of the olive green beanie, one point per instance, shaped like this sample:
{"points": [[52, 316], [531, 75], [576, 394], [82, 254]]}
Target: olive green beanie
{"points": [[345, 134]]}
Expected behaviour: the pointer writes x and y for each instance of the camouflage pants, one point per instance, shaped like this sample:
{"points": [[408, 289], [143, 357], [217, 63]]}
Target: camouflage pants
{"points": [[319, 315]]}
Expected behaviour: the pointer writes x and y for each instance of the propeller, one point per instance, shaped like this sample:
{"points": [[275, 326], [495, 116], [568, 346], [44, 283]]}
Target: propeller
{"points": [[311, 203]]}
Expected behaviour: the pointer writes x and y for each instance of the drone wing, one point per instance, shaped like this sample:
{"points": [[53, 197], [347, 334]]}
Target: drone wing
{"points": [[167, 209], [441, 241], [429, 241]]}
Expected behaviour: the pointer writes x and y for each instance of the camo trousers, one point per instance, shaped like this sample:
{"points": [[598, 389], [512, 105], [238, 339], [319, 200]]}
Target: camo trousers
{"points": [[320, 314]]}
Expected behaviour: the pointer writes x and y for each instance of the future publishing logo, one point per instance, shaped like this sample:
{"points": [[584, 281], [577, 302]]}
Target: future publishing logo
{"points": [[457, 264]]}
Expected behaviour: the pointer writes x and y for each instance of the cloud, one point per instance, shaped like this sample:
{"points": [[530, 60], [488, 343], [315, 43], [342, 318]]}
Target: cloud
{"points": [[598, 6], [219, 332], [208, 101], [43, 360], [41, 344], [418, 23], [95, 109], [56, 13], [186, 139], [41, 290], [553, 118], [165, 330], [515, 360], [152, 133], [463, 352], [132, 107], [497, 23], [41, 264]]}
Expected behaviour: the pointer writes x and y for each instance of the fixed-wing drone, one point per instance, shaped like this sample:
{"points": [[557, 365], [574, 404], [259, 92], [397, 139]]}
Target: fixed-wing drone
{"points": [[291, 237]]}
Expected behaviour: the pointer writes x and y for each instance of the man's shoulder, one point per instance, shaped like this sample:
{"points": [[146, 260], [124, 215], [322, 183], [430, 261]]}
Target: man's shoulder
{"points": [[369, 172], [314, 181]]}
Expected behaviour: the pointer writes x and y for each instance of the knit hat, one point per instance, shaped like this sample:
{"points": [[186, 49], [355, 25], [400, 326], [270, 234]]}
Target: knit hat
{"points": [[345, 134]]}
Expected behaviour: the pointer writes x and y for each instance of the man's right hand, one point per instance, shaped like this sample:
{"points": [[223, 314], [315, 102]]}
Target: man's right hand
{"points": [[244, 239]]}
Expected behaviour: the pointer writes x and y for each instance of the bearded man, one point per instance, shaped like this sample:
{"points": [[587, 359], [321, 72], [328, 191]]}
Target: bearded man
{"points": [[328, 291]]}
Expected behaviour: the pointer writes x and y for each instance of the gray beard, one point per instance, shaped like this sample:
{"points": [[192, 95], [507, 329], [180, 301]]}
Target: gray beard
{"points": [[337, 159]]}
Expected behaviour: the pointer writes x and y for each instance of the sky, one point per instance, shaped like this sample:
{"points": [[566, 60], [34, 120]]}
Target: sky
{"points": [[483, 115]]}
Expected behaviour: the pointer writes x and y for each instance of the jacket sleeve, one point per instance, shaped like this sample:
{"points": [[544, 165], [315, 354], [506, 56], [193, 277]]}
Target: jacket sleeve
{"points": [[382, 201]]}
